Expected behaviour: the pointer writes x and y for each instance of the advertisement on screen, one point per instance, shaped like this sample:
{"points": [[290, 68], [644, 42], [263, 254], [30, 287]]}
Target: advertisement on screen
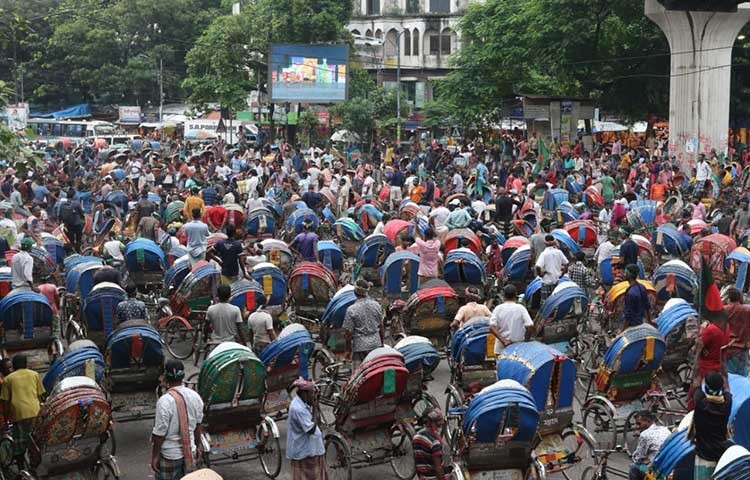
{"points": [[308, 73]]}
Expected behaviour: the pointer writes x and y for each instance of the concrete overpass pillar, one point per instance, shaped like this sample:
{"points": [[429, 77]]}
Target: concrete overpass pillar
{"points": [[700, 75]]}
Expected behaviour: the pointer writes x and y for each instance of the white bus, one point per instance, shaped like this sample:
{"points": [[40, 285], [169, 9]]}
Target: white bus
{"points": [[75, 130]]}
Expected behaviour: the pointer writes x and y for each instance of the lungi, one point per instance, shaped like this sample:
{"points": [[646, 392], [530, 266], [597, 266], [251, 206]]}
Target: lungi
{"points": [[703, 469], [170, 469], [22, 435], [310, 468]]}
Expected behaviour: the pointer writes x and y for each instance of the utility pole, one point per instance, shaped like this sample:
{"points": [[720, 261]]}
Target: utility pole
{"points": [[398, 87], [161, 99]]}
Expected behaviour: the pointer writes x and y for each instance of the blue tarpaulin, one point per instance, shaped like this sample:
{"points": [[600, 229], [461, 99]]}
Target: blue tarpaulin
{"points": [[76, 111]]}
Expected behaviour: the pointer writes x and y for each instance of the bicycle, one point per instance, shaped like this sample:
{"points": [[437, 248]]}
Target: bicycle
{"points": [[601, 469]]}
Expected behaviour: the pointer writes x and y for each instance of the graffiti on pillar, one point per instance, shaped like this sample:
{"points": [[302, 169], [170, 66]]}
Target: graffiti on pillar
{"points": [[691, 146]]}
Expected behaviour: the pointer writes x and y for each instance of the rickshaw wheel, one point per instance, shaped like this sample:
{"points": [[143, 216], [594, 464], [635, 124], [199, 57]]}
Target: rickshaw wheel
{"points": [[452, 425], [402, 453], [338, 459], [70, 332], [598, 419], [269, 451], [426, 401], [584, 452], [588, 474], [321, 360], [178, 339], [630, 440], [327, 403], [104, 471]]}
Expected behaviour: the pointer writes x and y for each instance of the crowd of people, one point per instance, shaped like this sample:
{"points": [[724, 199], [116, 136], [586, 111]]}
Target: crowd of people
{"points": [[66, 197]]}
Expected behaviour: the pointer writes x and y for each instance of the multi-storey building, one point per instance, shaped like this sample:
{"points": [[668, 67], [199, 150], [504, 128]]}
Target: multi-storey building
{"points": [[419, 36]]}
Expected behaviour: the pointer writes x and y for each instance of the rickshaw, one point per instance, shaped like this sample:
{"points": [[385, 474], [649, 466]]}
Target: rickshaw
{"points": [[72, 434], [549, 375], [173, 212], [565, 242], [134, 359], [285, 359], [553, 198], [646, 253], [260, 223], [176, 274], [714, 249], [175, 253], [511, 245], [235, 215], [584, 233], [311, 286], [79, 280], [273, 281], [397, 229], [673, 206], [675, 279], [493, 437], [349, 234], [371, 255], [279, 254], [472, 362], [644, 216], [331, 336], [558, 318], [526, 219], [532, 296], [738, 424], [679, 324], [737, 263], [430, 311], [247, 295], [6, 281], [421, 359], [565, 212], [29, 327], [409, 210], [675, 460], [98, 314], [145, 263], [668, 241], [614, 391], [733, 464], [232, 384], [296, 221], [368, 216], [592, 197], [367, 430], [611, 268], [518, 267], [82, 359], [185, 331], [462, 269], [331, 256], [399, 276], [55, 248], [44, 266], [453, 240]]}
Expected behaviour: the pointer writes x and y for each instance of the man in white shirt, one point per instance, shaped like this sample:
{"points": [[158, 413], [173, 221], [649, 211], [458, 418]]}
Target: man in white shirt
{"points": [[510, 321], [22, 266], [168, 457], [550, 266], [457, 182], [439, 214], [604, 250], [313, 174]]}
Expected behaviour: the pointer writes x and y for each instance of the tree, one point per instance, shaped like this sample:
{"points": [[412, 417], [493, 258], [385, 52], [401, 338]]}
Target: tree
{"points": [[223, 65], [307, 123], [603, 49]]}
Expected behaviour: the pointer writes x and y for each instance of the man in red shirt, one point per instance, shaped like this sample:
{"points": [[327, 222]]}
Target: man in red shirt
{"points": [[714, 336], [215, 217], [738, 317]]}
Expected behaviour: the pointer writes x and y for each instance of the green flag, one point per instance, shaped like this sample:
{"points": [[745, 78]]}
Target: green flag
{"points": [[543, 158]]}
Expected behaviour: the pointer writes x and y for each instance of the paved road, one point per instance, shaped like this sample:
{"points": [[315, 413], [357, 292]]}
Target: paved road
{"points": [[133, 447]]}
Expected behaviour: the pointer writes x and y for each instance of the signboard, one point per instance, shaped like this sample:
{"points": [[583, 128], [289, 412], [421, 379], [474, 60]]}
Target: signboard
{"points": [[17, 116], [566, 118], [535, 112], [323, 118], [200, 129], [130, 115], [308, 73]]}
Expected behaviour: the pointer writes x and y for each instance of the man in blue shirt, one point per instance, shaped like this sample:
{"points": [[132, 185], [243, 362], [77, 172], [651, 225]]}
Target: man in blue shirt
{"points": [[636, 304], [306, 243], [629, 252], [197, 237], [304, 440], [397, 186]]}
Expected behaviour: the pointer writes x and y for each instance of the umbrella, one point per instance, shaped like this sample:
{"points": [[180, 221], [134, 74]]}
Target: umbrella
{"points": [[345, 136]]}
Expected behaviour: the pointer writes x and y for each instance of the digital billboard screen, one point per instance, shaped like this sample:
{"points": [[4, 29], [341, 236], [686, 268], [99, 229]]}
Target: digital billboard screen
{"points": [[308, 73]]}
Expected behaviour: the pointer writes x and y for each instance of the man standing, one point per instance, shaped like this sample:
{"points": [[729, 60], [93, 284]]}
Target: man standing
{"points": [[21, 393], [510, 321], [260, 324], [397, 186], [148, 227], [649, 442], [72, 217], [713, 405], [304, 440], [306, 242], [364, 322], [738, 318], [741, 219], [177, 426], [629, 252], [230, 252], [225, 318], [197, 237], [22, 266], [550, 266], [636, 304], [192, 202], [427, 445]]}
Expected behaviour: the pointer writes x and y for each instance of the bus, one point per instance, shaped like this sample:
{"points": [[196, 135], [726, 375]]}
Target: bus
{"points": [[75, 130]]}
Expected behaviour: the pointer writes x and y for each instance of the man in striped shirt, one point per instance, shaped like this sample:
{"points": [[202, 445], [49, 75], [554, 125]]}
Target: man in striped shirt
{"points": [[427, 445]]}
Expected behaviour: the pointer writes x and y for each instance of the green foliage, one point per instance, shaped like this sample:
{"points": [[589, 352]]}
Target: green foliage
{"points": [[601, 49]]}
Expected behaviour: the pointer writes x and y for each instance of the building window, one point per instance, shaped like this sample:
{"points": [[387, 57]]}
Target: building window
{"points": [[373, 7], [412, 6], [440, 6], [379, 34], [407, 43], [440, 44], [415, 47]]}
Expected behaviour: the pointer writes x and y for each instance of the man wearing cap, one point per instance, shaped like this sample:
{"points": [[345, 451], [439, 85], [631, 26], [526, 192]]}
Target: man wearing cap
{"points": [[636, 305], [427, 445], [304, 440], [713, 405], [364, 322], [177, 426], [550, 266], [22, 266]]}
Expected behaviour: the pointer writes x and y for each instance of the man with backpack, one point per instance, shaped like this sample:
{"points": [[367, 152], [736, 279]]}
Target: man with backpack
{"points": [[73, 219]]}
